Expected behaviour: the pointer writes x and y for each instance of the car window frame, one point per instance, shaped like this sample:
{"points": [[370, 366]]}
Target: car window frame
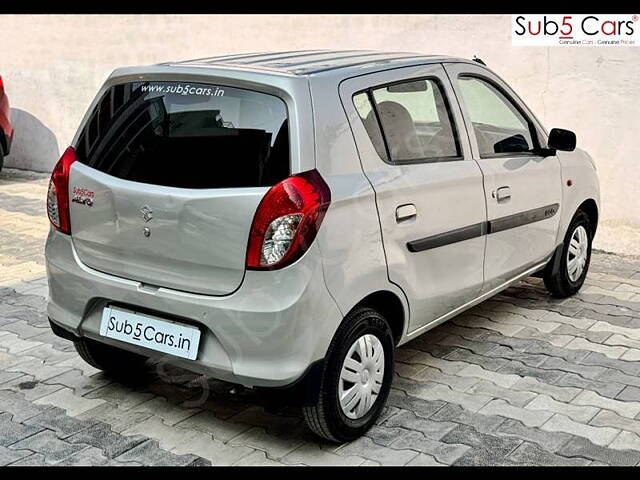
{"points": [[448, 105], [533, 130]]}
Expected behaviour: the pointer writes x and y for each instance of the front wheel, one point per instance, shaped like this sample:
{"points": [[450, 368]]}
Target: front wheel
{"points": [[357, 378], [572, 266]]}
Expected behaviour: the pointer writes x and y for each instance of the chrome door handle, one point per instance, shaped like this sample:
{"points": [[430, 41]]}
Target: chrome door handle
{"points": [[502, 194], [406, 212]]}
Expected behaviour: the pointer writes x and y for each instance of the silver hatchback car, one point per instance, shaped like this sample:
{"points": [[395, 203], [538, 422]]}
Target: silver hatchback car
{"points": [[287, 219]]}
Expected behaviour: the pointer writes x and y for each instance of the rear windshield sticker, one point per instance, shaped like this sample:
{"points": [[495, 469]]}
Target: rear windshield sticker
{"points": [[183, 89]]}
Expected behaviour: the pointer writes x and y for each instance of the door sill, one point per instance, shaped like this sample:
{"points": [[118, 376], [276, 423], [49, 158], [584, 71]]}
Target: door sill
{"points": [[472, 303]]}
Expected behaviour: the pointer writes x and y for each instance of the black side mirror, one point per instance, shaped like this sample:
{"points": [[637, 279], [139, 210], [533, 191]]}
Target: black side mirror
{"points": [[560, 139]]}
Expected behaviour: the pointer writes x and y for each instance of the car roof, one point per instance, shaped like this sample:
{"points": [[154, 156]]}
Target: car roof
{"points": [[341, 63]]}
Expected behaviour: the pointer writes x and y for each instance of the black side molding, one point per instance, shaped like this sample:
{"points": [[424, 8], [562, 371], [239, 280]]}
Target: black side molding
{"points": [[523, 218], [483, 228], [442, 239]]}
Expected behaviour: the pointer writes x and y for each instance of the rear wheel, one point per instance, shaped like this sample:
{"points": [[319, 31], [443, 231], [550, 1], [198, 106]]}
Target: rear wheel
{"points": [[357, 378], [572, 266], [114, 361], [1, 158]]}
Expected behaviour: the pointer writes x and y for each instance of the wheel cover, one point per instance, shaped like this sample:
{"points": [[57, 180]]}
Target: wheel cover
{"points": [[361, 376], [577, 253]]}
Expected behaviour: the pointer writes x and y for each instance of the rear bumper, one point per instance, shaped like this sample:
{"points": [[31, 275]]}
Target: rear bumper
{"points": [[267, 333]]}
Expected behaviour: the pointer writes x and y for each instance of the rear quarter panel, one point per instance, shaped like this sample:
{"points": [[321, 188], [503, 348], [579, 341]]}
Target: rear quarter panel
{"points": [[350, 239]]}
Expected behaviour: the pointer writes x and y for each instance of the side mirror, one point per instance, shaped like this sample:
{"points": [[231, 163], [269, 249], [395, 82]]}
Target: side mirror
{"points": [[560, 139]]}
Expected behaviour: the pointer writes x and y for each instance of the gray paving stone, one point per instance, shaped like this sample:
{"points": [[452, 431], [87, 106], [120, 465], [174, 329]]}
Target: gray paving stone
{"points": [[606, 389], [595, 358], [508, 353], [434, 349], [110, 443], [596, 337], [581, 447], [57, 420], [30, 316], [542, 374], [118, 419], [488, 363], [550, 441], [12, 432], [384, 435], [620, 378], [366, 448], [477, 347], [480, 422], [8, 456], [46, 443], [86, 457], [629, 394], [618, 320], [590, 372], [422, 408], [441, 451], [148, 453], [20, 408], [532, 454], [29, 460], [23, 329], [499, 447], [430, 428], [81, 384]]}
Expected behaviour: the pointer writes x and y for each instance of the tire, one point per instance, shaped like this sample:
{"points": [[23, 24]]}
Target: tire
{"points": [[327, 417], [1, 159], [114, 361], [559, 281]]}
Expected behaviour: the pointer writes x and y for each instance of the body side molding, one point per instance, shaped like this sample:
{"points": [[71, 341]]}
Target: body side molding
{"points": [[483, 228]]}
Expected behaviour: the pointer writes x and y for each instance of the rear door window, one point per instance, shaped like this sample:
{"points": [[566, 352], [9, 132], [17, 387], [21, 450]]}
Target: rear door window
{"points": [[416, 121], [188, 135]]}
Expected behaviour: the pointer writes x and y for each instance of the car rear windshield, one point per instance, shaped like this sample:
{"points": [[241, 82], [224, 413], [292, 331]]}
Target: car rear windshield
{"points": [[188, 135]]}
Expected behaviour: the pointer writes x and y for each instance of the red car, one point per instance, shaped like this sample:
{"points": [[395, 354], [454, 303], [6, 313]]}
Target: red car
{"points": [[6, 130]]}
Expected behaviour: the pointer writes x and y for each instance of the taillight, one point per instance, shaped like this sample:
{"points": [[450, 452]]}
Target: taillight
{"points": [[1, 84], [287, 221], [58, 194]]}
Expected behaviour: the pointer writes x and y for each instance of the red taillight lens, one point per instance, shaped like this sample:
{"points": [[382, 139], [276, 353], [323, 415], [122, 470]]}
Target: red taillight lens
{"points": [[1, 84], [287, 221], [58, 194]]}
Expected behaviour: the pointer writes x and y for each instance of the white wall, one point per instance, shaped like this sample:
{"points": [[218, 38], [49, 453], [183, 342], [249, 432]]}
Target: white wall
{"points": [[53, 65]]}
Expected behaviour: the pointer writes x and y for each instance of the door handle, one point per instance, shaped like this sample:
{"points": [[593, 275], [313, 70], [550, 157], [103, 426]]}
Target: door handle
{"points": [[406, 212], [502, 194]]}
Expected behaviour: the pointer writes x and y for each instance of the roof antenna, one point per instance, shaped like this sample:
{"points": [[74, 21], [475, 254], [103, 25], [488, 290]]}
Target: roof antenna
{"points": [[479, 60]]}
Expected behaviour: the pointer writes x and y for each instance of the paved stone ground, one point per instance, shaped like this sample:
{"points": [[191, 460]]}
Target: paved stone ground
{"points": [[521, 379]]}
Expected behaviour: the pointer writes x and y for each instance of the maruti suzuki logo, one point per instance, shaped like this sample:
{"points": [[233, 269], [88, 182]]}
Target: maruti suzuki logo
{"points": [[147, 213]]}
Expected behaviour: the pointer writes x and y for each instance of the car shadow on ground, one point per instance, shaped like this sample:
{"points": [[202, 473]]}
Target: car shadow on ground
{"points": [[35, 146]]}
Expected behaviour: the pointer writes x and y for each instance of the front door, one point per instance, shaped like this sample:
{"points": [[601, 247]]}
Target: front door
{"points": [[429, 192], [522, 185]]}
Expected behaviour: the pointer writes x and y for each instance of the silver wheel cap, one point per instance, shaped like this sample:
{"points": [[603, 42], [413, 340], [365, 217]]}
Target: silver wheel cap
{"points": [[361, 376], [577, 253]]}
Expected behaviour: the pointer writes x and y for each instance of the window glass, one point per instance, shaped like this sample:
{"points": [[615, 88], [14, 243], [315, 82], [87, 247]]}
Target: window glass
{"points": [[415, 121], [188, 135], [370, 122], [498, 124]]}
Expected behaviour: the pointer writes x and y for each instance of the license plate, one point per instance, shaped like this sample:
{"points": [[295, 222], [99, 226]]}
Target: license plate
{"points": [[162, 335]]}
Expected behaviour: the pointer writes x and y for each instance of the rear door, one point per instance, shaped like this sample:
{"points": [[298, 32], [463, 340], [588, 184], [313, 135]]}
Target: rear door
{"points": [[168, 180], [522, 186], [429, 191]]}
